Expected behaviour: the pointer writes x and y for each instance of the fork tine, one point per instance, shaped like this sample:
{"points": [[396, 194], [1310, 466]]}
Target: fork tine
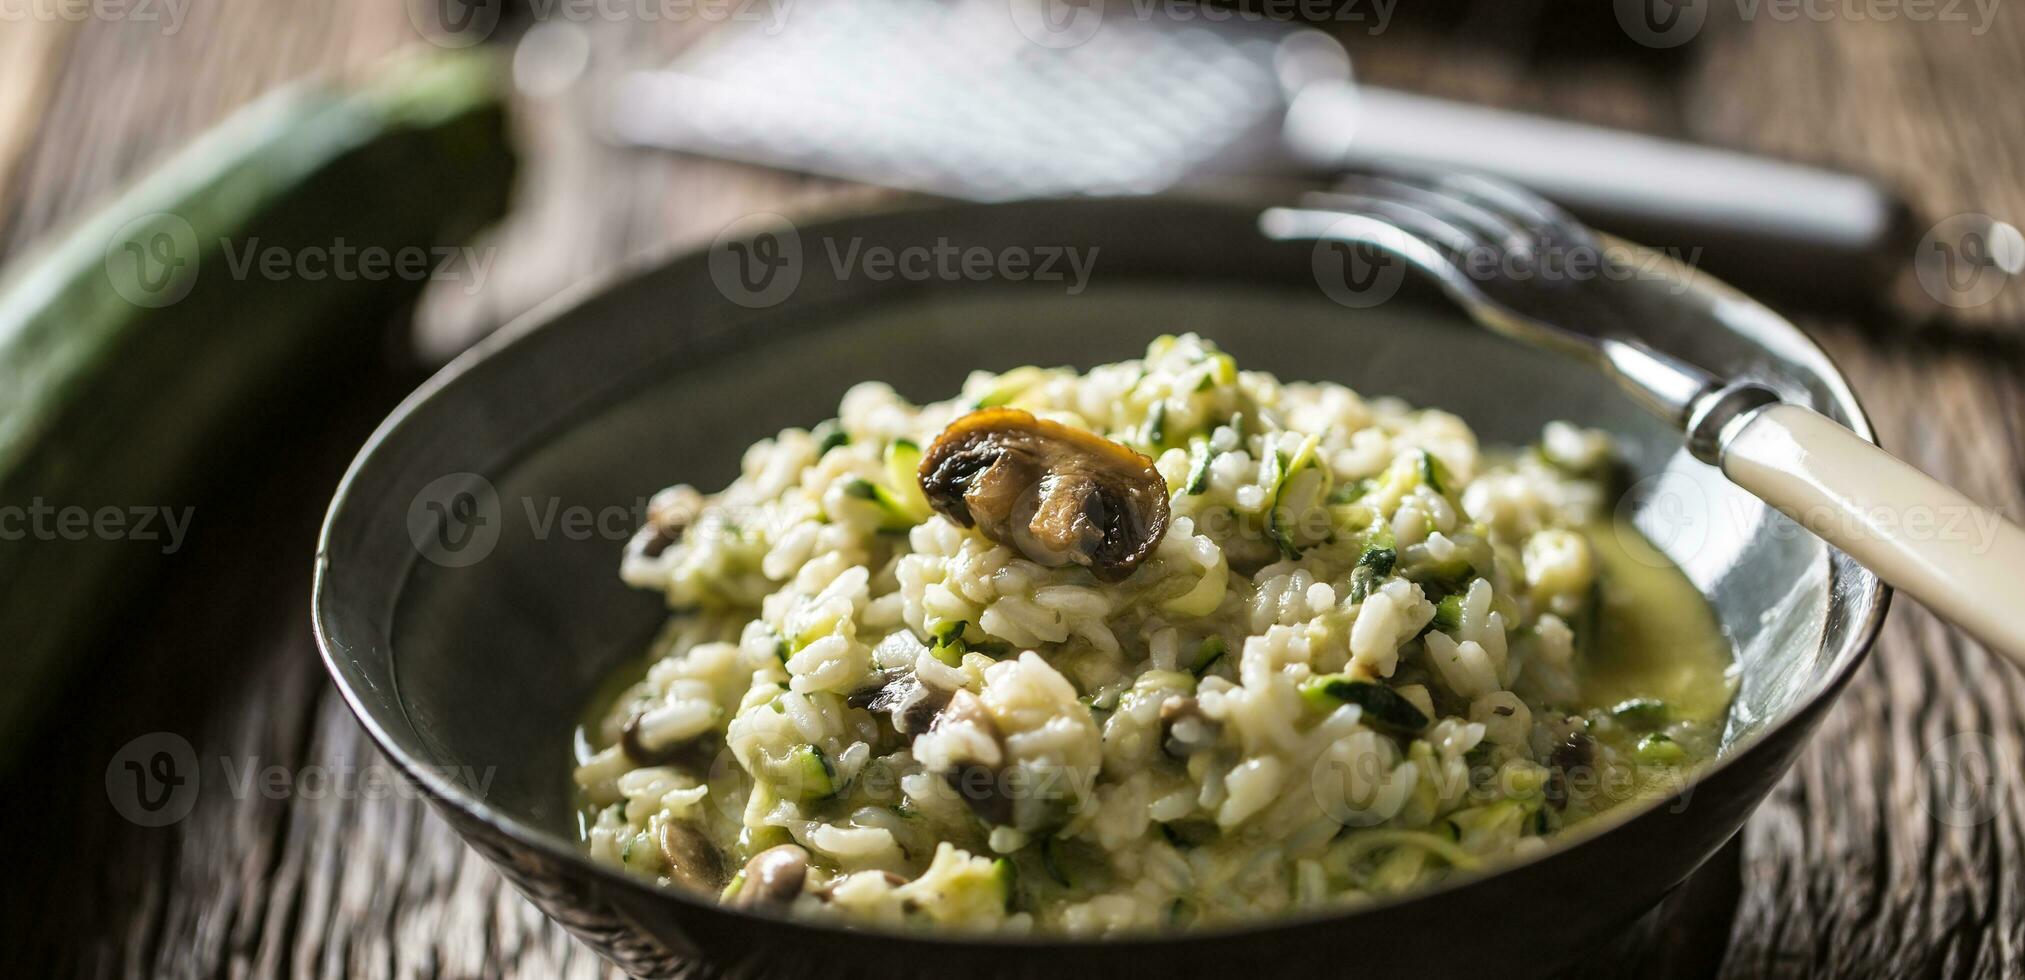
{"points": [[1463, 230], [1469, 218], [1452, 238], [1492, 202], [1542, 218], [1494, 229]]}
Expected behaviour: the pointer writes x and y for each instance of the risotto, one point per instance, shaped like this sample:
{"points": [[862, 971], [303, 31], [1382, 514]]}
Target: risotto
{"points": [[1159, 644]]}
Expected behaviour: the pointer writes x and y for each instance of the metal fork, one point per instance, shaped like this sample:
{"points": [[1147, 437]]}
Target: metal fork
{"points": [[1504, 254], [1492, 247]]}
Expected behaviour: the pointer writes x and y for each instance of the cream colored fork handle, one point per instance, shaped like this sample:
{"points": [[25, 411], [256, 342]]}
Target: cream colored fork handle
{"points": [[1964, 561]]}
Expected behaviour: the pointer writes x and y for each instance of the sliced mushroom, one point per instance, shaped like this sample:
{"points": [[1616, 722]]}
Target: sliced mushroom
{"points": [[893, 880], [636, 748], [669, 514], [774, 877], [901, 695], [976, 780], [690, 856], [1058, 494], [1184, 728], [1576, 754]]}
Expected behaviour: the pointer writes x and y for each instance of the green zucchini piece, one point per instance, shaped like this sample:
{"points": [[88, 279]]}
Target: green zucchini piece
{"points": [[1280, 474], [1154, 435], [1447, 613], [1199, 456], [1453, 575], [1384, 708], [1223, 368], [1434, 473], [1206, 656], [1643, 714], [1008, 879], [753, 840], [1380, 559], [136, 357], [903, 467], [1656, 749], [829, 435], [894, 515], [1009, 386], [1275, 474], [946, 643], [804, 773]]}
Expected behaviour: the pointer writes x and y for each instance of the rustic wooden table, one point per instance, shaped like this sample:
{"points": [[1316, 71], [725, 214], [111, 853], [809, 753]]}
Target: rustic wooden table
{"points": [[1845, 872]]}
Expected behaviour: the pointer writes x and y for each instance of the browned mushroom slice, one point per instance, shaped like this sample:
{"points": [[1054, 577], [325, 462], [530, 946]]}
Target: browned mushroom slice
{"points": [[827, 892], [900, 695], [773, 877], [1576, 755], [691, 858], [669, 514], [1058, 494], [634, 744], [1184, 728], [978, 783]]}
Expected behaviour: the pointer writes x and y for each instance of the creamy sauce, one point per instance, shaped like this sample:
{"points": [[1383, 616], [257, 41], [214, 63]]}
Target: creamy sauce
{"points": [[1657, 636]]}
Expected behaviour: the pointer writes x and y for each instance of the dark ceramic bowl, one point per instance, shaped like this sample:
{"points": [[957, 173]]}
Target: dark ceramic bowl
{"points": [[468, 602]]}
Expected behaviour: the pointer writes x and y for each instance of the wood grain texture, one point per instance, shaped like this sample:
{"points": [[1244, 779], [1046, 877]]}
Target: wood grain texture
{"points": [[29, 50], [1846, 872]]}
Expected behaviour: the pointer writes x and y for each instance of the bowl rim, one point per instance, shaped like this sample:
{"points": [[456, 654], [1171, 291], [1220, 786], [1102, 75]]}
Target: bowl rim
{"points": [[1746, 316]]}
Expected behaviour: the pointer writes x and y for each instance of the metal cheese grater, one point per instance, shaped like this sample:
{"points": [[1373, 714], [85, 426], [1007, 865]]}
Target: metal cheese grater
{"points": [[961, 99], [1000, 99]]}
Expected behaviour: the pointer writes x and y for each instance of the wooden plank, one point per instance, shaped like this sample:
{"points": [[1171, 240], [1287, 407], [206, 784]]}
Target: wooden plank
{"points": [[1860, 866], [28, 53]]}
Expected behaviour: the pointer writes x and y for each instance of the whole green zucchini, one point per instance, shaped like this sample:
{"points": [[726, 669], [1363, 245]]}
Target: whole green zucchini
{"points": [[209, 297]]}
